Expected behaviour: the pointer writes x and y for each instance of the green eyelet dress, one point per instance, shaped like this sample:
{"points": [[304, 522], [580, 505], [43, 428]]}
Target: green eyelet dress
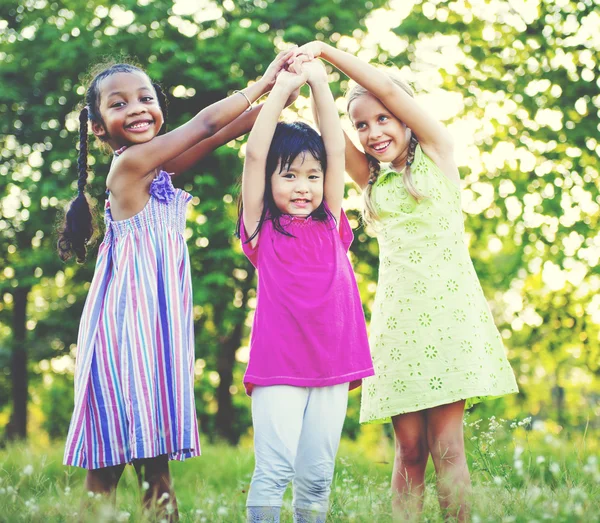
{"points": [[432, 336]]}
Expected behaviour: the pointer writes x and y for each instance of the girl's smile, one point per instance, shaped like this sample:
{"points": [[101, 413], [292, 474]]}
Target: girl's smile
{"points": [[381, 134], [298, 187], [130, 110]]}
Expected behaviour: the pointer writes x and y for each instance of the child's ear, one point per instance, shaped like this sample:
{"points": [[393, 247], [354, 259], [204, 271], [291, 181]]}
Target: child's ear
{"points": [[99, 130]]}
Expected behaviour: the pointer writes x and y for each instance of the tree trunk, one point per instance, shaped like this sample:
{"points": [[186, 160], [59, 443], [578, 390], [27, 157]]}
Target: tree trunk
{"points": [[225, 362], [224, 425], [17, 427]]}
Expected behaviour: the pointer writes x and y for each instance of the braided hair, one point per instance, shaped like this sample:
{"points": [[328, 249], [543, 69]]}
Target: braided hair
{"points": [[369, 211], [78, 229]]}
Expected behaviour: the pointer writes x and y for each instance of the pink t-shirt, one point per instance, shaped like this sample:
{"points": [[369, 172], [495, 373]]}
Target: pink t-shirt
{"points": [[309, 328]]}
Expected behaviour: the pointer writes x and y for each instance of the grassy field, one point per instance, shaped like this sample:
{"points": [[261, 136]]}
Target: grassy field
{"points": [[519, 475]]}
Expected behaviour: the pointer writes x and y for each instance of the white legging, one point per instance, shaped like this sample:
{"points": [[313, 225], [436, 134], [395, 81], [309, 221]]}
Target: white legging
{"points": [[297, 432]]}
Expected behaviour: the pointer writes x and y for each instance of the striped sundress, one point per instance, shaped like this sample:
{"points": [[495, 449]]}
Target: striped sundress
{"points": [[134, 377]]}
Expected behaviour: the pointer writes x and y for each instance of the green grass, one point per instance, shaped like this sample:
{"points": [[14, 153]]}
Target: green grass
{"points": [[518, 476]]}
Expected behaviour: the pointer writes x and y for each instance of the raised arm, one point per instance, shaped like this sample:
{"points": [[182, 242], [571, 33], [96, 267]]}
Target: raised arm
{"points": [[257, 149], [433, 136], [239, 127], [331, 132], [143, 158], [356, 164]]}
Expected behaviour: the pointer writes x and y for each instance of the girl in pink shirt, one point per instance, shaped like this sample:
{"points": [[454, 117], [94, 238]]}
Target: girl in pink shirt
{"points": [[309, 342]]}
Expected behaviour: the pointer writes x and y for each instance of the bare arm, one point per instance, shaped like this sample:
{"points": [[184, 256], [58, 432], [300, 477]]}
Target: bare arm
{"points": [[139, 160], [356, 163], [144, 158], [257, 149], [332, 134], [240, 126], [433, 136]]}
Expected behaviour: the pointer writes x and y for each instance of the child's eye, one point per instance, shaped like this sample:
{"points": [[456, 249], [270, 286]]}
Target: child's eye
{"points": [[118, 104], [288, 175], [360, 126], [147, 98], [383, 118], [314, 177]]}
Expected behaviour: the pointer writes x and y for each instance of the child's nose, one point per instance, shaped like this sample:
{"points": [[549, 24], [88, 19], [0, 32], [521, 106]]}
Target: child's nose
{"points": [[137, 108], [301, 187], [375, 132]]}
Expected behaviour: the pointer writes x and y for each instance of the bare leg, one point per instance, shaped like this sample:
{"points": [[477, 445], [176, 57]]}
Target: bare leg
{"points": [[104, 481], [447, 446], [160, 493], [408, 476]]}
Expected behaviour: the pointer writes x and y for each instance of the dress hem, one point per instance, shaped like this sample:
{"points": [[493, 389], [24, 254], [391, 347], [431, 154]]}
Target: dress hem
{"points": [[177, 455], [471, 399]]}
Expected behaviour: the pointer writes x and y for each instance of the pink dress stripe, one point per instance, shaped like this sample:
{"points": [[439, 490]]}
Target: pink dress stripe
{"points": [[134, 378]]}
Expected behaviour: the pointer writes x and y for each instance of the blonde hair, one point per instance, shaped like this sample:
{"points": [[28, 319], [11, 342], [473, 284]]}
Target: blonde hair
{"points": [[369, 212]]}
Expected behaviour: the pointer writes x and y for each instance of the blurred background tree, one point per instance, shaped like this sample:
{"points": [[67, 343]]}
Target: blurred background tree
{"points": [[516, 82]]}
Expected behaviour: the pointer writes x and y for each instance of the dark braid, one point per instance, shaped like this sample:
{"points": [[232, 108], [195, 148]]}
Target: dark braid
{"points": [[164, 105], [78, 227], [82, 163]]}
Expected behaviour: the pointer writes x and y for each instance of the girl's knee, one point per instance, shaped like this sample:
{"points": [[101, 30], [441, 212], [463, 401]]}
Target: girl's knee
{"points": [[447, 449], [412, 452]]}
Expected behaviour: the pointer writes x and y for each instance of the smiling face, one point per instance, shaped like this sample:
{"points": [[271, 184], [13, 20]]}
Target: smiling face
{"points": [[129, 109], [298, 188], [381, 134]]}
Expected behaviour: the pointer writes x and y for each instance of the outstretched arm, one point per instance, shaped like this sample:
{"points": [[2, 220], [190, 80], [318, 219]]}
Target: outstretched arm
{"points": [[356, 164], [144, 158], [239, 127], [433, 137], [257, 149], [331, 132]]}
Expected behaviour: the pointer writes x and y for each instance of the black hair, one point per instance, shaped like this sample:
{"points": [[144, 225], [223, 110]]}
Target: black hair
{"points": [[78, 227], [289, 141]]}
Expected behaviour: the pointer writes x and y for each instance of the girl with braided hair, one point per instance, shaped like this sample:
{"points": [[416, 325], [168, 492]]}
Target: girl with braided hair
{"points": [[134, 390], [433, 340]]}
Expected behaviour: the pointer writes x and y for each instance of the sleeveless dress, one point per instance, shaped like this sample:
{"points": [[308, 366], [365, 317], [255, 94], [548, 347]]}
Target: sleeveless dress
{"points": [[432, 336], [134, 377]]}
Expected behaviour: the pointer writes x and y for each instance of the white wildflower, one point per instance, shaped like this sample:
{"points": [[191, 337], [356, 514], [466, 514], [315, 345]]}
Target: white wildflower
{"points": [[540, 459], [222, 511], [28, 470], [145, 485], [554, 467]]}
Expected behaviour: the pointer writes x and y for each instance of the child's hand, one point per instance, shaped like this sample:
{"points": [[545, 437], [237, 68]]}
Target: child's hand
{"points": [[289, 81], [295, 64], [316, 71], [312, 50], [280, 62]]}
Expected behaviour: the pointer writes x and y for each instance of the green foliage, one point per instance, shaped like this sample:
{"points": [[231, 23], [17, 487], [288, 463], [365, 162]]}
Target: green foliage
{"points": [[526, 125], [518, 475]]}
